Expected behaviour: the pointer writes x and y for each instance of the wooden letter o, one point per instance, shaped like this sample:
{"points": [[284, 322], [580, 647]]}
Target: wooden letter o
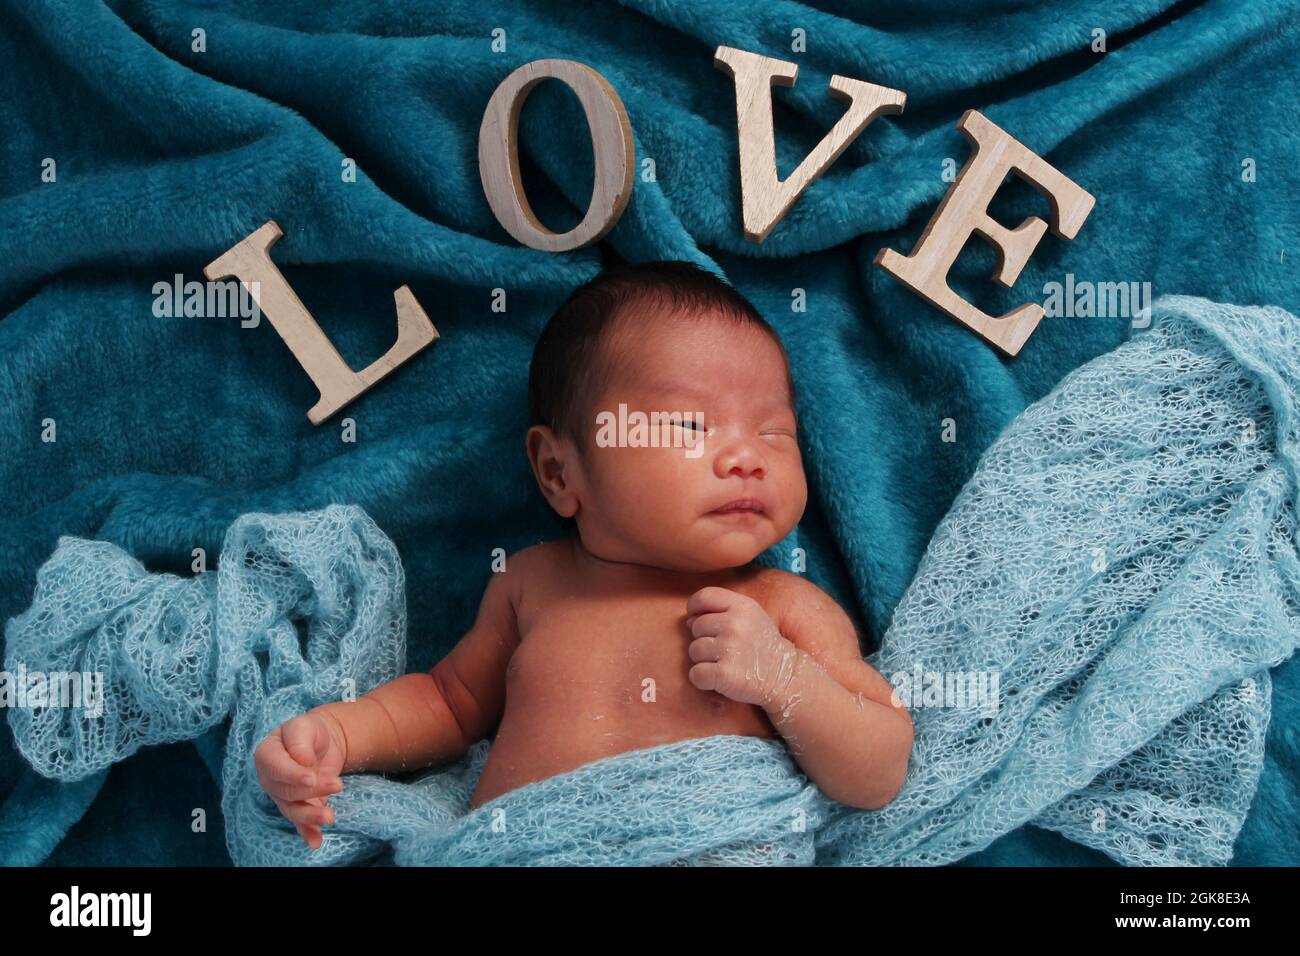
{"points": [[612, 146]]}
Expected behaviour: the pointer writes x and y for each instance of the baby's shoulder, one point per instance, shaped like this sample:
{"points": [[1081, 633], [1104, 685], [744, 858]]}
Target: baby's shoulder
{"points": [[774, 587], [537, 577], [787, 596], [538, 561]]}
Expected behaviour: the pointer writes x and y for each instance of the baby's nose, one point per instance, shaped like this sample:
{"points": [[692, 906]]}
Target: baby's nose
{"points": [[741, 459]]}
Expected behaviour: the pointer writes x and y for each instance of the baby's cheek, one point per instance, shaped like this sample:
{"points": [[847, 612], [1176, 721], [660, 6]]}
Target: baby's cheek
{"points": [[798, 494]]}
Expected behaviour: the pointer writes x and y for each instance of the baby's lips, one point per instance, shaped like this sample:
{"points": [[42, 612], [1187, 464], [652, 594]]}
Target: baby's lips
{"points": [[756, 504]]}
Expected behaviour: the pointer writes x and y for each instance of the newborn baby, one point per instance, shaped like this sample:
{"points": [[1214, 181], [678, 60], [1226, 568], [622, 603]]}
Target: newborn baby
{"points": [[651, 624]]}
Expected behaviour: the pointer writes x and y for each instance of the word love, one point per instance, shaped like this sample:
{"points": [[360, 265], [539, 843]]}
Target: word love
{"points": [[765, 200]]}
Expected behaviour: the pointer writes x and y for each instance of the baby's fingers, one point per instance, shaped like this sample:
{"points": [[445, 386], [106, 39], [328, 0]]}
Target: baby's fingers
{"points": [[311, 835], [306, 740], [324, 787], [285, 779], [706, 675], [707, 625], [312, 813], [710, 600], [275, 765], [309, 831], [704, 649]]}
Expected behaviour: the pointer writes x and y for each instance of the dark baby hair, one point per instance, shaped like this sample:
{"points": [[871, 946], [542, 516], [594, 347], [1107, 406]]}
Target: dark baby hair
{"points": [[566, 369]]}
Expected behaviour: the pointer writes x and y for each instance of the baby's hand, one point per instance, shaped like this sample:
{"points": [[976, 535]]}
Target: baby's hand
{"points": [[298, 765], [738, 651]]}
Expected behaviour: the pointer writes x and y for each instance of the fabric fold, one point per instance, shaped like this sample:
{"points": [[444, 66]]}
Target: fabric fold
{"points": [[1124, 560]]}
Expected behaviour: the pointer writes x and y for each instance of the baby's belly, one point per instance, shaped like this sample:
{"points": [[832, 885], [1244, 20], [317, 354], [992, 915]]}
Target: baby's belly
{"points": [[571, 702]]}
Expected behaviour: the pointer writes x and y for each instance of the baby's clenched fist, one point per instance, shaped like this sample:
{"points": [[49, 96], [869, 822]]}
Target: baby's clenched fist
{"points": [[298, 765], [738, 651]]}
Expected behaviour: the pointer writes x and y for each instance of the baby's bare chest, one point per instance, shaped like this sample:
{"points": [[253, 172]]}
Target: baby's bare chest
{"points": [[610, 642], [605, 653], [600, 674]]}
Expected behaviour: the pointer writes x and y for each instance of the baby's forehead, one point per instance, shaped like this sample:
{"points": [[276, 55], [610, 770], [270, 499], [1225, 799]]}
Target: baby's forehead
{"points": [[703, 357], [651, 325]]}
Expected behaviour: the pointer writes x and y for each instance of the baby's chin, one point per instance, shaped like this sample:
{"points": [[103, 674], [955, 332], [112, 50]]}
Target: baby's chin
{"points": [[728, 549]]}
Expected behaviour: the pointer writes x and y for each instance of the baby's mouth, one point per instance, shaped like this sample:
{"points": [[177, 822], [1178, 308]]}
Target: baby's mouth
{"points": [[740, 506]]}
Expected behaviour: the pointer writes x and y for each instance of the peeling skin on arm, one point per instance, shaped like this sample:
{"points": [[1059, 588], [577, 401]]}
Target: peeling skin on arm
{"points": [[789, 707], [787, 669], [779, 700], [852, 740], [806, 671]]}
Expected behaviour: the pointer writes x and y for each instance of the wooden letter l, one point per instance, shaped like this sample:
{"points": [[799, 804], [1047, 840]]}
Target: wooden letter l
{"points": [[250, 262]]}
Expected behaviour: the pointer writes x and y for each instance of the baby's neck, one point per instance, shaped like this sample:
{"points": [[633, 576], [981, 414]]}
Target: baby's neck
{"points": [[610, 570]]}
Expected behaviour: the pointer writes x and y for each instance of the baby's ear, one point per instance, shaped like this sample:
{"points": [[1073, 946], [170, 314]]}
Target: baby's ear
{"points": [[554, 463]]}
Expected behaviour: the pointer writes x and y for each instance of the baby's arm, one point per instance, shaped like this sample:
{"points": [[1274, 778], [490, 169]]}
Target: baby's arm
{"points": [[410, 722], [805, 669], [434, 716]]}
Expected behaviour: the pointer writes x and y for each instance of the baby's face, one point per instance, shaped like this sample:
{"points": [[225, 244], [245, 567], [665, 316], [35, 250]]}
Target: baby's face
{"points": [[736, 490]]}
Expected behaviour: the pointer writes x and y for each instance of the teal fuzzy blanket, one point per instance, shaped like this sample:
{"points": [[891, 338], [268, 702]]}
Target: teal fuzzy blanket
{"points": [[169, 429], [1122, 570]]}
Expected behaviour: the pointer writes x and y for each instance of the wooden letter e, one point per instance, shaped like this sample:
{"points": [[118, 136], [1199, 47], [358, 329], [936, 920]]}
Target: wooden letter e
{"points": [[964, 210]]}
